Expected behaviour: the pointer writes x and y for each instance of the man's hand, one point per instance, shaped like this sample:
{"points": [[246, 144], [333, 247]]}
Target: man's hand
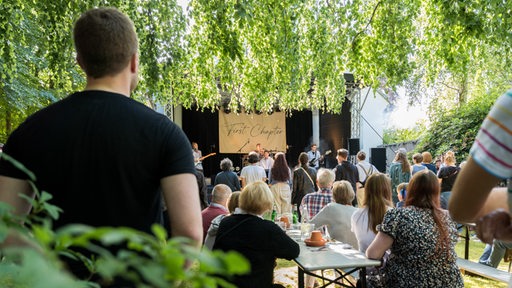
{"points": [[495, 225]]}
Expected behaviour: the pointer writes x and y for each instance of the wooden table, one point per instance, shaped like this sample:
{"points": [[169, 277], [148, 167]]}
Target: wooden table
{"points": [[336, 256]]}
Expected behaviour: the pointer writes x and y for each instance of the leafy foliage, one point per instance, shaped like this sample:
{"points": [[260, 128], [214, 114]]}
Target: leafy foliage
{"points": [[455, 129], [265, 54], [394, 135], [144, 259]]}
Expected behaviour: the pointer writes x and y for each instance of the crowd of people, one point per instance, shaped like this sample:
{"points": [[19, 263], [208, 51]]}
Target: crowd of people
{"points": [[400, 217]]}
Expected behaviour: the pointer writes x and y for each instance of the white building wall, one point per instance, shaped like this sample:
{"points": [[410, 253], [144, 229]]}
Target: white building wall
{"points": [[374, 119]]}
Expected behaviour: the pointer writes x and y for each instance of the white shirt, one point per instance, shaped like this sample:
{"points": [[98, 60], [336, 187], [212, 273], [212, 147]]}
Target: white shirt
{"points": [[197, 154], [252, 173], [359, 223], [364, 167], [266, 163], [337, 218]]}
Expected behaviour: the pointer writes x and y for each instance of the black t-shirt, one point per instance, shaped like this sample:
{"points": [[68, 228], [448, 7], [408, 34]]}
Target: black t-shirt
{"points": [[448, 174], [260, 242], [102, 156]]}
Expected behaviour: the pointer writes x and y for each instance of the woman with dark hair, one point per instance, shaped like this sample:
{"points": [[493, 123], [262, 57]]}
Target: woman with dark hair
{"points": [[304, 181], [280, 171], [226, 176], [421, 237], [399, 172], [280, 184]]}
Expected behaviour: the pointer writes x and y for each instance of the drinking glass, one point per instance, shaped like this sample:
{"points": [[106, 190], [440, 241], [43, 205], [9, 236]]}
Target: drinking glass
{"points": [[305, 230]]}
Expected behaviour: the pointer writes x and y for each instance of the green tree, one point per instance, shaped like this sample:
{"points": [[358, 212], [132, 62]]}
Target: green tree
{"points": [[259, 54], [37, 59], [456, 128], [397, 135]]}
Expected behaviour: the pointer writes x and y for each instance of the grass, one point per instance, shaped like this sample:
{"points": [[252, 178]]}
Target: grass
{"points": [[475, 250]]}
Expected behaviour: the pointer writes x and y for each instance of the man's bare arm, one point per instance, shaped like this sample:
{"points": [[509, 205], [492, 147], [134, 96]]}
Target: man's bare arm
{"points": [[470, 192], [181, 195], [10, 190]]}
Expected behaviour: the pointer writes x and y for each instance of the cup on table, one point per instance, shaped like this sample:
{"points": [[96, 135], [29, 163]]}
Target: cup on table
{"points": [[316, 235], [305, 230]]}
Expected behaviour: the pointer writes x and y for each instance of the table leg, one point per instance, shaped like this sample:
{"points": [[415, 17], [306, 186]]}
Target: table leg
{"points": [[466, 244], [362, 277], [301, 277]]}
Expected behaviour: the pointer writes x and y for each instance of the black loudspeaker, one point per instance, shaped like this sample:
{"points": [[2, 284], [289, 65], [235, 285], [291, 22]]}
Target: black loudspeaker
{"points": [[353, 146], [378, 158]]}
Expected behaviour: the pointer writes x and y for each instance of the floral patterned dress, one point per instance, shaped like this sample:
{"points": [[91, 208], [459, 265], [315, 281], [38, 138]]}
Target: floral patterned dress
{"points": [[414, 261]]}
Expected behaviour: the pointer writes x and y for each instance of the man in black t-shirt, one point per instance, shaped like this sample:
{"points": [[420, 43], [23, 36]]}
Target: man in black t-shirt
{"points": [[104, 157], [346, 171]]}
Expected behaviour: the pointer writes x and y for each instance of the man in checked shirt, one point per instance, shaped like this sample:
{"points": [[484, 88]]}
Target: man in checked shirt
{"points": [[314, 202]]}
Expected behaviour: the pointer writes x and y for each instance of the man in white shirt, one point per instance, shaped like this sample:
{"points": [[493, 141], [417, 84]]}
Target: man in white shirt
{"points": [[266, 162], [365, 169], [197, 156], [314, 157], [252, 172]]}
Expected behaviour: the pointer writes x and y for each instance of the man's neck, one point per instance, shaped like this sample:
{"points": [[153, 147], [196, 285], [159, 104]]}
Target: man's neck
{"points": [[109, 84]]}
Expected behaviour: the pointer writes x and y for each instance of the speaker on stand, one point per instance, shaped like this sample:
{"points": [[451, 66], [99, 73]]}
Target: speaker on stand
{"points": [[378, 159], [353, 146]]}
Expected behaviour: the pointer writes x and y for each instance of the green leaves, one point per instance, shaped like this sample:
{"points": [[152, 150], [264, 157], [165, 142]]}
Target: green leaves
{"points": [[455, 129], [262, 54], [148, 260]]}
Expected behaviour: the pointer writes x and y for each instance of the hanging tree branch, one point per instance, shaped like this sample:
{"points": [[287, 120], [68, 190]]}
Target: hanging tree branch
{"points": [[367, 24]]}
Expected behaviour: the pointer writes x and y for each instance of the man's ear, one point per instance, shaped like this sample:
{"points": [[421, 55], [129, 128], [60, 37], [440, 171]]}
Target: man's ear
{"points": [[134, 63]]}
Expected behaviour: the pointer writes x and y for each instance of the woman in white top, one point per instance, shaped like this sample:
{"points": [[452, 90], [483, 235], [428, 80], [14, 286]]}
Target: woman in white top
{"points": [[336, 215], [377, 200], [280, 186]]}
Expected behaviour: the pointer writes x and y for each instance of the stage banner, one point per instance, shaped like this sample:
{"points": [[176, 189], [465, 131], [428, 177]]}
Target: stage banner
{"points": [[240, 133]]}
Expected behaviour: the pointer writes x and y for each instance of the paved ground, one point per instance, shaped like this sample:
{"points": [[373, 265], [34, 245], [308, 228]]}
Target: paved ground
{"points": [[286, 276]]}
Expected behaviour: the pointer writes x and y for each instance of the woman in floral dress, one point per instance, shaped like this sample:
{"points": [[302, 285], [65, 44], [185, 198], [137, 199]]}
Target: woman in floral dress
{"points": [[421, 237]]}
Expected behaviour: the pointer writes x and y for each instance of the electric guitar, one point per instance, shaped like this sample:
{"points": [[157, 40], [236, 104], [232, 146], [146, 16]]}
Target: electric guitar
{"points": [[204, 157], [312, 162], [198, 160]]}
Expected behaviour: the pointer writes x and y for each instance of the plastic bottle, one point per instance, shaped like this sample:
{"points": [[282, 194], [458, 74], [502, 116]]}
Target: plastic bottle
{"points": [[304, 214], [295, 215]]}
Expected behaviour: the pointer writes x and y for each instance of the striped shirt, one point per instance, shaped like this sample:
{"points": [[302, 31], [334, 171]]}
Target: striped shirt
{"points": [[492, 149], [316, 201]]}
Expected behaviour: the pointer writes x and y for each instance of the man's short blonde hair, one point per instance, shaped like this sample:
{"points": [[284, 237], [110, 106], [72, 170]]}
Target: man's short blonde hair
{"points": [[256, 198]]}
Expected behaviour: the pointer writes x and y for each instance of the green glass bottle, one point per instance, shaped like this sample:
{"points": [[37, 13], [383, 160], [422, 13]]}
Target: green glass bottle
{"points": [[295, 214]]}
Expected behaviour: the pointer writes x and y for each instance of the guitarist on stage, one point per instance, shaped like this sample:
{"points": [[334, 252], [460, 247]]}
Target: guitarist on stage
{"points": [[197, 155], [314, 157]]}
